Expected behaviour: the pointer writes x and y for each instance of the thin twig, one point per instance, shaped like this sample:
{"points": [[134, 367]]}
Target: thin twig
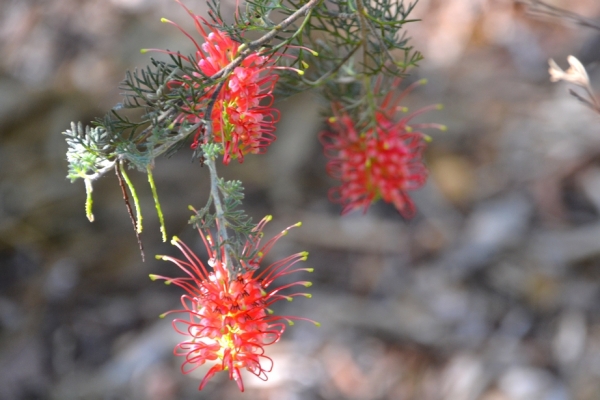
{"points": [[334, 69], [249, 48], [100, 172], [360, 10], [542, 8], [381, 42], [214, 185], [173, 141], [220, 214], [129, 209], [209, 108], [366, 22]]}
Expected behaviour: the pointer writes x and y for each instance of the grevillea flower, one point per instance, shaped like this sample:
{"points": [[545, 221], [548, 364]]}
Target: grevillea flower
{"points": [[227, 320], [383, 161], [243, 118]]}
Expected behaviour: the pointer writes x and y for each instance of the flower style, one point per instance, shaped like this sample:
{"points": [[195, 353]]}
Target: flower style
{"points": [[383, 161], [242, 116], [228, 320]]}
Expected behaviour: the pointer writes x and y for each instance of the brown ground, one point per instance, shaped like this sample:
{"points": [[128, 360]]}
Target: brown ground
{"points": [[492, 292]]}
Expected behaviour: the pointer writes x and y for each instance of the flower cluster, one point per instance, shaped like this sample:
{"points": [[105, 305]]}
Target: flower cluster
{"points": [[242, 116], [228, 320], [382, 161]]}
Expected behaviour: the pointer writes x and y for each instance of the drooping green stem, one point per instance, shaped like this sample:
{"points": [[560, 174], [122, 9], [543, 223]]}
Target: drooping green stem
{"points": [[136, 200], [157, 205], [88, 200], [119, 172]]}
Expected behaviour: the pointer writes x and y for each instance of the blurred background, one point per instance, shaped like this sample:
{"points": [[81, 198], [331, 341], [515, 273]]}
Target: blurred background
{"points": [[491, 292]]}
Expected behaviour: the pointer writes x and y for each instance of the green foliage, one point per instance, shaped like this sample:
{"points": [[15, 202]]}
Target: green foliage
{"points": [[89, 152], [235, 218], [345, 47], [239, 226], [359, 43]]}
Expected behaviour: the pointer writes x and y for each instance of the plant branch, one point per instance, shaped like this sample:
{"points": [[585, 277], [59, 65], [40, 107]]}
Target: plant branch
{"points": [[136, 224], [360, 9], [247, 48], [379, 39], [542, 8], [332, 71], [220, 214]]}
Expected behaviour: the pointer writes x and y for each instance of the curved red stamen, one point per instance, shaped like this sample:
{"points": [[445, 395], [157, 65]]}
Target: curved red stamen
{"points": [[227, 320], [377, 162]]}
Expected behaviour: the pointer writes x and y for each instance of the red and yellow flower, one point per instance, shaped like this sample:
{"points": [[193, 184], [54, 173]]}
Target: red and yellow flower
{"points": [[228, 321], [242, 116], [382, 161]]}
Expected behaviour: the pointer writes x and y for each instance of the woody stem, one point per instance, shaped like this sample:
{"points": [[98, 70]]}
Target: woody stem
{"points": [[222, 239]]}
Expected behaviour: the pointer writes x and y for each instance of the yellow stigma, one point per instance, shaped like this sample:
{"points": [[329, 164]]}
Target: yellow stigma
{"points": [[409, 129], [174, 240], [317, 324], [307, 284], [268, 218], [143, 51], [300, 72], [304, 64], [310, 269], [298, 224], [443, 128], [314, 53], [423, 81], [159, 257], [153, 277], [164, 20], [162, 315], [331, 120], [439, 106]]}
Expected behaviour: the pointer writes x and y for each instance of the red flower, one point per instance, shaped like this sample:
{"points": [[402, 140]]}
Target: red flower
{"points": [[242, 117], [380, 162], [228, 320]]}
